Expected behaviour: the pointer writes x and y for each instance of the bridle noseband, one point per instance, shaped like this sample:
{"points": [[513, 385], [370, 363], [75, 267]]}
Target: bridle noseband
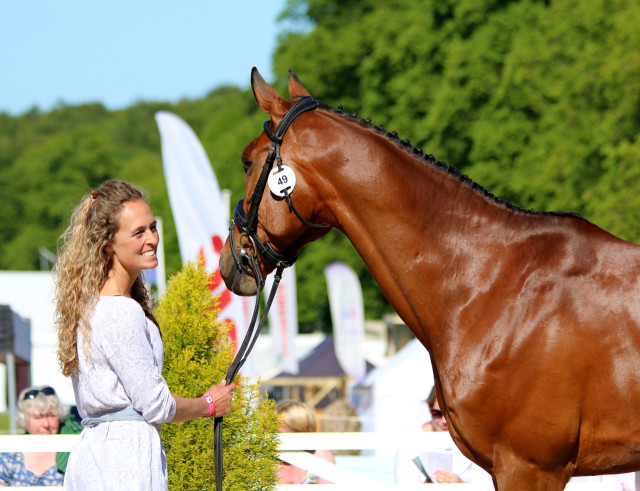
{"points": [[248, 263]]}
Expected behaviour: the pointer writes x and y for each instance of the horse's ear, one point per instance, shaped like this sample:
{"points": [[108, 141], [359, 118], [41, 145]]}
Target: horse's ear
{"points": [[295, 86], [267, 97]]}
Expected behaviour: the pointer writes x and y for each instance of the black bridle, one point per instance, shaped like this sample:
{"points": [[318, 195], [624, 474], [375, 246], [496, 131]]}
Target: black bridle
{"points": [[248, 262]]}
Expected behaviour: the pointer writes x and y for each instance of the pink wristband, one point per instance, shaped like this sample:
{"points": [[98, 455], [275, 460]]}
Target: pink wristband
{"points": [[212, 406]]}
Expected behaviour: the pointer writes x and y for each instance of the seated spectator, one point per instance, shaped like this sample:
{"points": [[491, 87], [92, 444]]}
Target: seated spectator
{"points": [[299, 417], [410, 465], [39, 413]]}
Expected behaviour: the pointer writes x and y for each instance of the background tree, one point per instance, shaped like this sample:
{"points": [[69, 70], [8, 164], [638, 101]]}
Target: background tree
{"points": [[528, 97], [197, 354]]}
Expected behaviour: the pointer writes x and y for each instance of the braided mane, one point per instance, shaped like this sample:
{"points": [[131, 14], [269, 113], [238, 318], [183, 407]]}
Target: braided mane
{"points": [[443, 166]]}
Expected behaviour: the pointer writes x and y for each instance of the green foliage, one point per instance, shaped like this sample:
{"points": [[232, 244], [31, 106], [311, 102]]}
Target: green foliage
{"points": [[535, 100], [197, 354], [613, 202]]}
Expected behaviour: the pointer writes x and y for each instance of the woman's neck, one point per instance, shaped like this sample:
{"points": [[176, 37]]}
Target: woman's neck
{"points": [[118, 283], [39, 462]]}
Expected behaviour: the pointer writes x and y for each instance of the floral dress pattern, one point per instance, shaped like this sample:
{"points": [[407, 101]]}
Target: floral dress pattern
{"points": [[14, 473]]}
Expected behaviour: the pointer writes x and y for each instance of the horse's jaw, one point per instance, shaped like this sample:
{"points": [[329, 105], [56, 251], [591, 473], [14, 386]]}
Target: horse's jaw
{"points": [[235, 280]]}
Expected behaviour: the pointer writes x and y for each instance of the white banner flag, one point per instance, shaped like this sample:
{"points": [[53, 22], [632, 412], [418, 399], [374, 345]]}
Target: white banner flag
{"points": [[347, 316], [283, 320], [201, 218]]}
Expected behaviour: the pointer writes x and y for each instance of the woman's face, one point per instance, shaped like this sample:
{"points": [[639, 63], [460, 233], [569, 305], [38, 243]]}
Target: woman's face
{"points": [[136, 241], [43, 422], [438, 420]]}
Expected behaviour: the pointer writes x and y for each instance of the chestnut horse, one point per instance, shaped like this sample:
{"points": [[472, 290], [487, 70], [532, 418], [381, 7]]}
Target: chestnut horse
{"points": [[532, 319]]}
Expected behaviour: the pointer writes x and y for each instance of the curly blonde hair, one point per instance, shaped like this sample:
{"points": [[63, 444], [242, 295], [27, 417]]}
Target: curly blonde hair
{"points": [[83, 265]]}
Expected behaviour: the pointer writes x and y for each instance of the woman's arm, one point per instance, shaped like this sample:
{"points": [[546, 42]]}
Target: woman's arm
{"points": [[190, 409]]}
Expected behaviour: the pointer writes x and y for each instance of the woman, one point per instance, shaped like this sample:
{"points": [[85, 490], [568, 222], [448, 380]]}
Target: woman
{"points": [[111, 346], [299, 417], [39, 413]]}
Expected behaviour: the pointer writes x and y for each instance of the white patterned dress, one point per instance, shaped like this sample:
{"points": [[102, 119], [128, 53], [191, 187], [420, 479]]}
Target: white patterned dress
{"points": [[123, 369]]}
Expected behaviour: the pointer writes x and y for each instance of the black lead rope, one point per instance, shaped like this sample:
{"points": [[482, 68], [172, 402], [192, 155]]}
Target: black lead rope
{"points": [[243, 352]]}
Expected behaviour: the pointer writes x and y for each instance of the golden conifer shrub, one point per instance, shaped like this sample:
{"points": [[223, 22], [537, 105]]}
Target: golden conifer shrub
{"points": [[198, 352]]}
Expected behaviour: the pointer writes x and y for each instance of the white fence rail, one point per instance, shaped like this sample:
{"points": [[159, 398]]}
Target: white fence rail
{"points": [[347, 473]]}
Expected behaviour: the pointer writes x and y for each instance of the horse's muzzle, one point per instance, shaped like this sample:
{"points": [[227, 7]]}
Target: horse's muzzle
{"points": [[235, 279]]}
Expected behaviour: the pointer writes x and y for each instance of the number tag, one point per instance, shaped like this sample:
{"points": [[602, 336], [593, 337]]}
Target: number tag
{"points": [[282, 180]]}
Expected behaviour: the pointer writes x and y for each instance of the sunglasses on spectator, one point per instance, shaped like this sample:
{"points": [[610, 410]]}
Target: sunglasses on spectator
{"points": [[436, 414], [33, 393]]}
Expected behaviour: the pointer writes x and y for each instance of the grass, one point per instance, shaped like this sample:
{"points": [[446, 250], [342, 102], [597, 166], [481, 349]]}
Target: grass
{"points": [[4, 423]]}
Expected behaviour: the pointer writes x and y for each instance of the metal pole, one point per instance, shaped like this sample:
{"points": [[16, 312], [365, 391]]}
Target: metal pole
{"points": [[226, 200], [11, 390], [160, 272], [46, 257]]}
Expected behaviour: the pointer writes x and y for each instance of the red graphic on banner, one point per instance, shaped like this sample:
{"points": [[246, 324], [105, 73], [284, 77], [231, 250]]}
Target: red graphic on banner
{"points": [[283, 318], [217, 286]]}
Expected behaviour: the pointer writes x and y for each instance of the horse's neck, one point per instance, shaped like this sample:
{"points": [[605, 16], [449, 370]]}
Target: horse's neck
{"points": [[417, 227]]}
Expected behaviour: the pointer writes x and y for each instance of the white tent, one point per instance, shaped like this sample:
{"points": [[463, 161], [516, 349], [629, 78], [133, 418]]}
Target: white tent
{"points": [[392, 396]]}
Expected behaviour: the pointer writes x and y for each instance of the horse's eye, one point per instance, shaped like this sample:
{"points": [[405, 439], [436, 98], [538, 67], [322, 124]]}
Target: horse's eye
{"points": [[245, 165]]}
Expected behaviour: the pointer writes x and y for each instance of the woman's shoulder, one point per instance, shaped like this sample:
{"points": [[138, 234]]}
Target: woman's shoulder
{"points": [[9, 457], [11, 464]]}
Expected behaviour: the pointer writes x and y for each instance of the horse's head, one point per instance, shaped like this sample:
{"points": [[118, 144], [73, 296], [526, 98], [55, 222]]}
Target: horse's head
{"points": [[280, 211]]}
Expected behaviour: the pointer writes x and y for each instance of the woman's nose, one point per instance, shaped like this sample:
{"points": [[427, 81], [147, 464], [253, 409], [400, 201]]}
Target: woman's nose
{"points": [[152, 237]]}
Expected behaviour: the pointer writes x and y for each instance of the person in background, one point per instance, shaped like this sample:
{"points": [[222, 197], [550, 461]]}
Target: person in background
{"points": [[111, 345], [39, 413], [299, 417], [70, 426], [409, 467]]}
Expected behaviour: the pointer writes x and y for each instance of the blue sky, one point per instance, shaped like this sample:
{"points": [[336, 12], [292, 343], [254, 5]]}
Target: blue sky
{"points": [[118, 52]]}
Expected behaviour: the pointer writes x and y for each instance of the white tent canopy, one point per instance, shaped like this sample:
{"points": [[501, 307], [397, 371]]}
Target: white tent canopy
{"points": [[392, 396]]}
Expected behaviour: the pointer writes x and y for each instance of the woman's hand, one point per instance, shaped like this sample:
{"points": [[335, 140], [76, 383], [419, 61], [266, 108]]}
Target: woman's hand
{"points": [[221, 394], [446, 477], [190, 409]]}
